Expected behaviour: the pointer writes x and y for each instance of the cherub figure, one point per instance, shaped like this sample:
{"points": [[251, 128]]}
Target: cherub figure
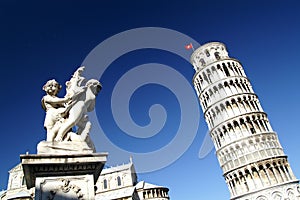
{"points": [[63, 115], [56, 108]]}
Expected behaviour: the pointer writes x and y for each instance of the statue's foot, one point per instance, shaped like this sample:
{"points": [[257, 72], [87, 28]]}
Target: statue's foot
{"points": [[58, 140]]}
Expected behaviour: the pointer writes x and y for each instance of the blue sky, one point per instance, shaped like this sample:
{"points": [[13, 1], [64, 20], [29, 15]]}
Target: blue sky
{"points": [[50, 39]]}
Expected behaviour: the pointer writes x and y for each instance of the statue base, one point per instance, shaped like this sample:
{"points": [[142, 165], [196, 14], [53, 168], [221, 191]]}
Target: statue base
{"points": [[67, 147], [63, 176]]}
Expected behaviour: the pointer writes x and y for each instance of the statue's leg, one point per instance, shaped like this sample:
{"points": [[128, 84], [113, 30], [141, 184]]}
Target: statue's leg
{"points": [[84, 127], [85, 131], [54, 131], [64, 129], [85, 135], [75, 114], [51, 133], [50, 136]]}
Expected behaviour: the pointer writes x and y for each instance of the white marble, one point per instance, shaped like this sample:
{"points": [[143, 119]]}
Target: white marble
{"points": [[69, 113], [61, 165], [253, 161], [72, 147], [51, 180], [68, 187]]}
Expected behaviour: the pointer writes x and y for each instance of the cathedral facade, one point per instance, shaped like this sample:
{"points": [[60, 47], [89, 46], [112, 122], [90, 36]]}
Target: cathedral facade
{"points": [[118, 183]]}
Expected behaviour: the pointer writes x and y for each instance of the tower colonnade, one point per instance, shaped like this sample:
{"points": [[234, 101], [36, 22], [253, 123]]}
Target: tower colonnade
{"points": [[253, 162]]}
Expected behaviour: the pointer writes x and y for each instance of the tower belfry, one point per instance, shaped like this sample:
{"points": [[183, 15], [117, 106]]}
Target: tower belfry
{"points": [[250, 155]]}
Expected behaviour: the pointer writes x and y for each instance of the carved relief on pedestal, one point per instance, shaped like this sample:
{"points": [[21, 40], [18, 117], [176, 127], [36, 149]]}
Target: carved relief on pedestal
{"points": [[65, 188]]}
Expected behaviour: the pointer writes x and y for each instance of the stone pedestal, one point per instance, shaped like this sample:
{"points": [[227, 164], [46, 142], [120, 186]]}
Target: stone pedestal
{"points": [[58, 176]]}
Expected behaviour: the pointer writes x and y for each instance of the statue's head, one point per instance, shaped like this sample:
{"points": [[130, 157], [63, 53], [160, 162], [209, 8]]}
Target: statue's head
{"points": [[52, 87], [94, 85]]}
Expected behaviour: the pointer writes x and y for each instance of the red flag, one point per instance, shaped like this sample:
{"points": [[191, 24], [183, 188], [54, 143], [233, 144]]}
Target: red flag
{"points": [[189, 46]]}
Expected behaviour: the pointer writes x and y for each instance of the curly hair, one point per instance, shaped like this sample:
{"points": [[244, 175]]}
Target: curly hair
{"points": [[52, 82]]}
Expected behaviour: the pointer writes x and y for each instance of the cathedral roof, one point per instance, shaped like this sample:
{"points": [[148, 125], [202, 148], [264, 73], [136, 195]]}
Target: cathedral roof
{"points": [[116, 194], [16, 168], [20, 194], [128, 166], [145, 185]]}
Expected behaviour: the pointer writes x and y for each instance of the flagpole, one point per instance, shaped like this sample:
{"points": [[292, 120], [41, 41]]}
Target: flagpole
{"points": [[190, 46]]}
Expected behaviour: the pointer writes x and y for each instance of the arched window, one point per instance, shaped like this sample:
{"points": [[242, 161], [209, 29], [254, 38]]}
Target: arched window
{"points": [[225, 70], [207, 53], [202, 62], [105, 184], [119, 181], [217, 55]]}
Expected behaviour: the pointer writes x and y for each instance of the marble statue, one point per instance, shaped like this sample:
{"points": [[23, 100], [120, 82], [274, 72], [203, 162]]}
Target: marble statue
{"points": [[64, 115], [55, 108]]}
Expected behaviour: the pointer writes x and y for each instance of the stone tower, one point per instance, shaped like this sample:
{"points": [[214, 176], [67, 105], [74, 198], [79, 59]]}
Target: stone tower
{"points": [[250, 155]]}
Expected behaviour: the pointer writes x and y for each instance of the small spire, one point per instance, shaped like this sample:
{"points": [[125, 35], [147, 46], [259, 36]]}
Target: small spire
{"points": [[130, 159]]}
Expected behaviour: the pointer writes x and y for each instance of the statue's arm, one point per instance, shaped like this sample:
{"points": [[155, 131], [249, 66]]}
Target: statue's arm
{"points": [[50, 99]]}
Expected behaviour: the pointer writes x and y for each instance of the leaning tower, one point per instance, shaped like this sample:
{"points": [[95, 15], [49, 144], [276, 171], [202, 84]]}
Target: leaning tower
{"points": [[250, 155]]}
